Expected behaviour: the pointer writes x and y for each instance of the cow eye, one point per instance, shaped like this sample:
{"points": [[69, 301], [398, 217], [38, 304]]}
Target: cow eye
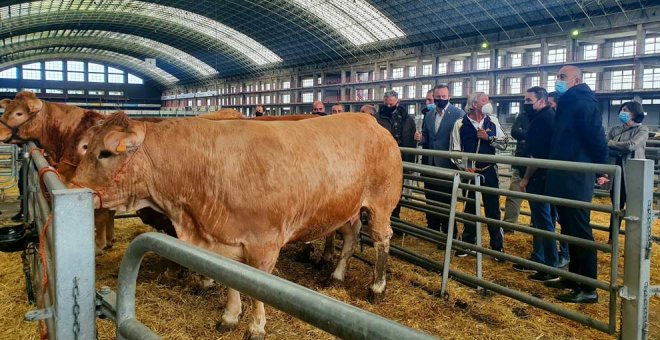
{"points": [[85, 147], [105, 154], [18, 114]]}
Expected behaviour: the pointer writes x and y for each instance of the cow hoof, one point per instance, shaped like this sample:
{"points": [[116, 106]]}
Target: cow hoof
{"points": [[224, 327], [98, 250], [333, 282], [322, 264], [248, 336], [375, 298], [108, 246]]}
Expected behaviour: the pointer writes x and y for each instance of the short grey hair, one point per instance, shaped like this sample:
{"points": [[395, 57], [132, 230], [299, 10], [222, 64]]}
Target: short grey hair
{"points": [[473, 98], [391, 93]]}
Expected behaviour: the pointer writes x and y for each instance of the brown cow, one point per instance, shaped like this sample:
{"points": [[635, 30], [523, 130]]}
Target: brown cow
{"points": [[210, 188], [222, 114]]}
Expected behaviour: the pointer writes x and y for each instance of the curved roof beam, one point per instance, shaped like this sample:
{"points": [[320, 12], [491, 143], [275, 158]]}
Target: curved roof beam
{"points": [[118, 10], [108, 40], [91, 54], [357, 20]]}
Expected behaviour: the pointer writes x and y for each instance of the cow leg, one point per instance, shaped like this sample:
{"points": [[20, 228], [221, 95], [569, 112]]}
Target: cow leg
{"points": [[99, 224], [232, 312], [110, 229], [350, 234], [263, 258], [381, 232], [329, 248]]}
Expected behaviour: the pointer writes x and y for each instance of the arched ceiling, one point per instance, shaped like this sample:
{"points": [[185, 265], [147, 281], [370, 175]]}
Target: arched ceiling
{"points": [[242, 37]]}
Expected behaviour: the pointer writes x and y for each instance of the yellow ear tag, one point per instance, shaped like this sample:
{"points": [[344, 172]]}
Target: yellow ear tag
{"points": [[122, 146]]}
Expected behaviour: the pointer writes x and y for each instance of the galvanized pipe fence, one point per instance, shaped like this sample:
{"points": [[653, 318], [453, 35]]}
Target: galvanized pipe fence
{"points": [[9, 167], [613, 287]]}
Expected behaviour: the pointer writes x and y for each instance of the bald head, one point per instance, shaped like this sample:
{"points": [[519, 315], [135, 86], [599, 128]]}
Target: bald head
{"points": [[572, 75]]}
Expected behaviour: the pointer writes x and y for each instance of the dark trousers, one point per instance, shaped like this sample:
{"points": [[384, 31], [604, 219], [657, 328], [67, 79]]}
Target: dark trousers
{"points": [[491, 205], [575, 222], [433, 221]]}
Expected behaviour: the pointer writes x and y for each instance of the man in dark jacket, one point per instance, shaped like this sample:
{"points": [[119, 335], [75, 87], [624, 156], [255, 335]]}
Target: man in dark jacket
{"points": [[578, 136], [436, 133], [519, 132], [395, 118]]}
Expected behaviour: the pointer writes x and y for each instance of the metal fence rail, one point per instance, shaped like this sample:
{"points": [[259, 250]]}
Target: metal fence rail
{"points": [[335, 317]]}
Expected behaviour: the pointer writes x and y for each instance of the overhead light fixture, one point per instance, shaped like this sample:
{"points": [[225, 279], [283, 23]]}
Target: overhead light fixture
{"points": [[484, 45], [575, 33]]}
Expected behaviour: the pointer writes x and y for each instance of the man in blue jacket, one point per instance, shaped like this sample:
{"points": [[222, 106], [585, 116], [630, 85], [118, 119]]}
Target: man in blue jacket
{"points": [[436, 132], [578, 136]]}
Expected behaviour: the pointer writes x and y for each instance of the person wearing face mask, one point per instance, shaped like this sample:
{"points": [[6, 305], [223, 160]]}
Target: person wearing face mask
{"points": [[519, 132], [259, 111], [626, 141], [395, 119], [578, 136], [318, 108], [539, 134], [436, 132], [480, 132]]}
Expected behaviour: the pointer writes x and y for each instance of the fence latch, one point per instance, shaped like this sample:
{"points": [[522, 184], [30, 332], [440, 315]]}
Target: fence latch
{"points": [[624, 294], [39, 314]]}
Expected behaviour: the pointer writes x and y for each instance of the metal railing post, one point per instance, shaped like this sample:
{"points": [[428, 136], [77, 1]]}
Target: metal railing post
{"points": [[477, 212], [637, 262], [450, 234]]}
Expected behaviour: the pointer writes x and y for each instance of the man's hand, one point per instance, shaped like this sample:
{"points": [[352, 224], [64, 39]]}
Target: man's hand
{"points": [[471, 170], [602, 180], [418, 136], [523, 184], [482, 134]]}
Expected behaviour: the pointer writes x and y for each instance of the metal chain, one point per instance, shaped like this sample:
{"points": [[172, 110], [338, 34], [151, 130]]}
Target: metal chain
{"points": [[76, 308]]}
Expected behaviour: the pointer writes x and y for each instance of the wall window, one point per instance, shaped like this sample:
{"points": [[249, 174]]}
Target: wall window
{"points": [[514, 109], [398, 90], [410, 91], [96, 93], [590, 52], [31, 90], [514, 84], [535, 81], [8, 90], [483, 63], [623, 48], [75, 71], [483, 86], [32, 71], [426, 88], [268, 87], [286, 98], [536, 58], [412, 109], [95, 73], [54, 70], [457, 89], [442, 68], [75, 92], [557, 55], [307, 97], [652, 45], [427, 69], [589, 78], [309, 82], [551, 83], [412, 71], [651, 79], [516, 59], [361, 94], [286, 85], [500, 60], [9, 73], [622, 80], [458, 65], [498, 86], [319, 80], [115, 76], [137, 80], [55, 91], [319, 96], [397, 72], [121, 93]]}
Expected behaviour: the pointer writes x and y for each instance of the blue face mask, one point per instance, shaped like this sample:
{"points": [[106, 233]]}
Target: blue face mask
{"points": [[430, 107], [624, 117], [560, 86]]}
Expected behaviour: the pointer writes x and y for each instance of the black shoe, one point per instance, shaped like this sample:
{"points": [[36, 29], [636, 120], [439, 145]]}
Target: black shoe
{"points": [[461, 253], [560, 284], [579, 296], [521, 268], [18, 217], [497, 259], [543, 277]]}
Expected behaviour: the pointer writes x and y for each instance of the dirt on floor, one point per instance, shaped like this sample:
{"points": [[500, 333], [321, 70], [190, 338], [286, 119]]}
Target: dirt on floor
{"points": [[179, 309]]}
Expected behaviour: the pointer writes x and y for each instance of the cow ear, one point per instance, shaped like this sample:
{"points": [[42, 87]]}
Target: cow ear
{"points": [[34, 104], [119, 142], [4, 103]]}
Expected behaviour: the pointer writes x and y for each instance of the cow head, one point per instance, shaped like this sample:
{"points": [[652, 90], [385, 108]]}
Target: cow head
{"points": [[113, 162], [18, 115]]}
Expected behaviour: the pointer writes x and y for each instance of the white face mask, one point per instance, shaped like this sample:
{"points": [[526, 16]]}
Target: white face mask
{"points": [[487, 109]]}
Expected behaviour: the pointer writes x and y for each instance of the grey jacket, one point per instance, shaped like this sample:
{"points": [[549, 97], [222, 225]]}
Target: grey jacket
{"points": [[440, 140], [627, 142]]}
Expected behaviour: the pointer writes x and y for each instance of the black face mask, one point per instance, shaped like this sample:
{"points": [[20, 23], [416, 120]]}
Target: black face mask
{"points": [[441, 103], [258, 114], [529, 109], [390, 109]]}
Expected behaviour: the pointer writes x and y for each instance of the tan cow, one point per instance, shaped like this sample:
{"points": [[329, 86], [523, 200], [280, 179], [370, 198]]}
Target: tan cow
{"points": [[222, 114], [210, 188]]}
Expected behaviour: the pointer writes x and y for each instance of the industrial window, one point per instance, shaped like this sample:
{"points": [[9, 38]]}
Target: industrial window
{"points": [[397, 73], [32, 90], [54, 65], [483, 63], [589, 78], [308, 82], [361, 94], [652, 45], [622, 80], [426, 88], [514, 84], [9, 73], [286, 98], [398, 90], [458, 65], [8, 90], [457, 89], [268, 87], [499, 61], [412, 71], [412, 108], [623, 48], [267, 101], [137, 80], [410, 94], [536, 57], [427, 69], [651, 79], [535, 81], [55, 91], [590, 52], [442, 68], [308, 97], [75, 71], [96, 77], [32, 71], [557, 55], [514, 108], [483, 86], [498, 86], [551, 83], [516, 59], [115, 76], [95, 92], [115, 93], [97, 68], [198, 102], [286, 85], [54, 75], [319, 95], [75, 92]]}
